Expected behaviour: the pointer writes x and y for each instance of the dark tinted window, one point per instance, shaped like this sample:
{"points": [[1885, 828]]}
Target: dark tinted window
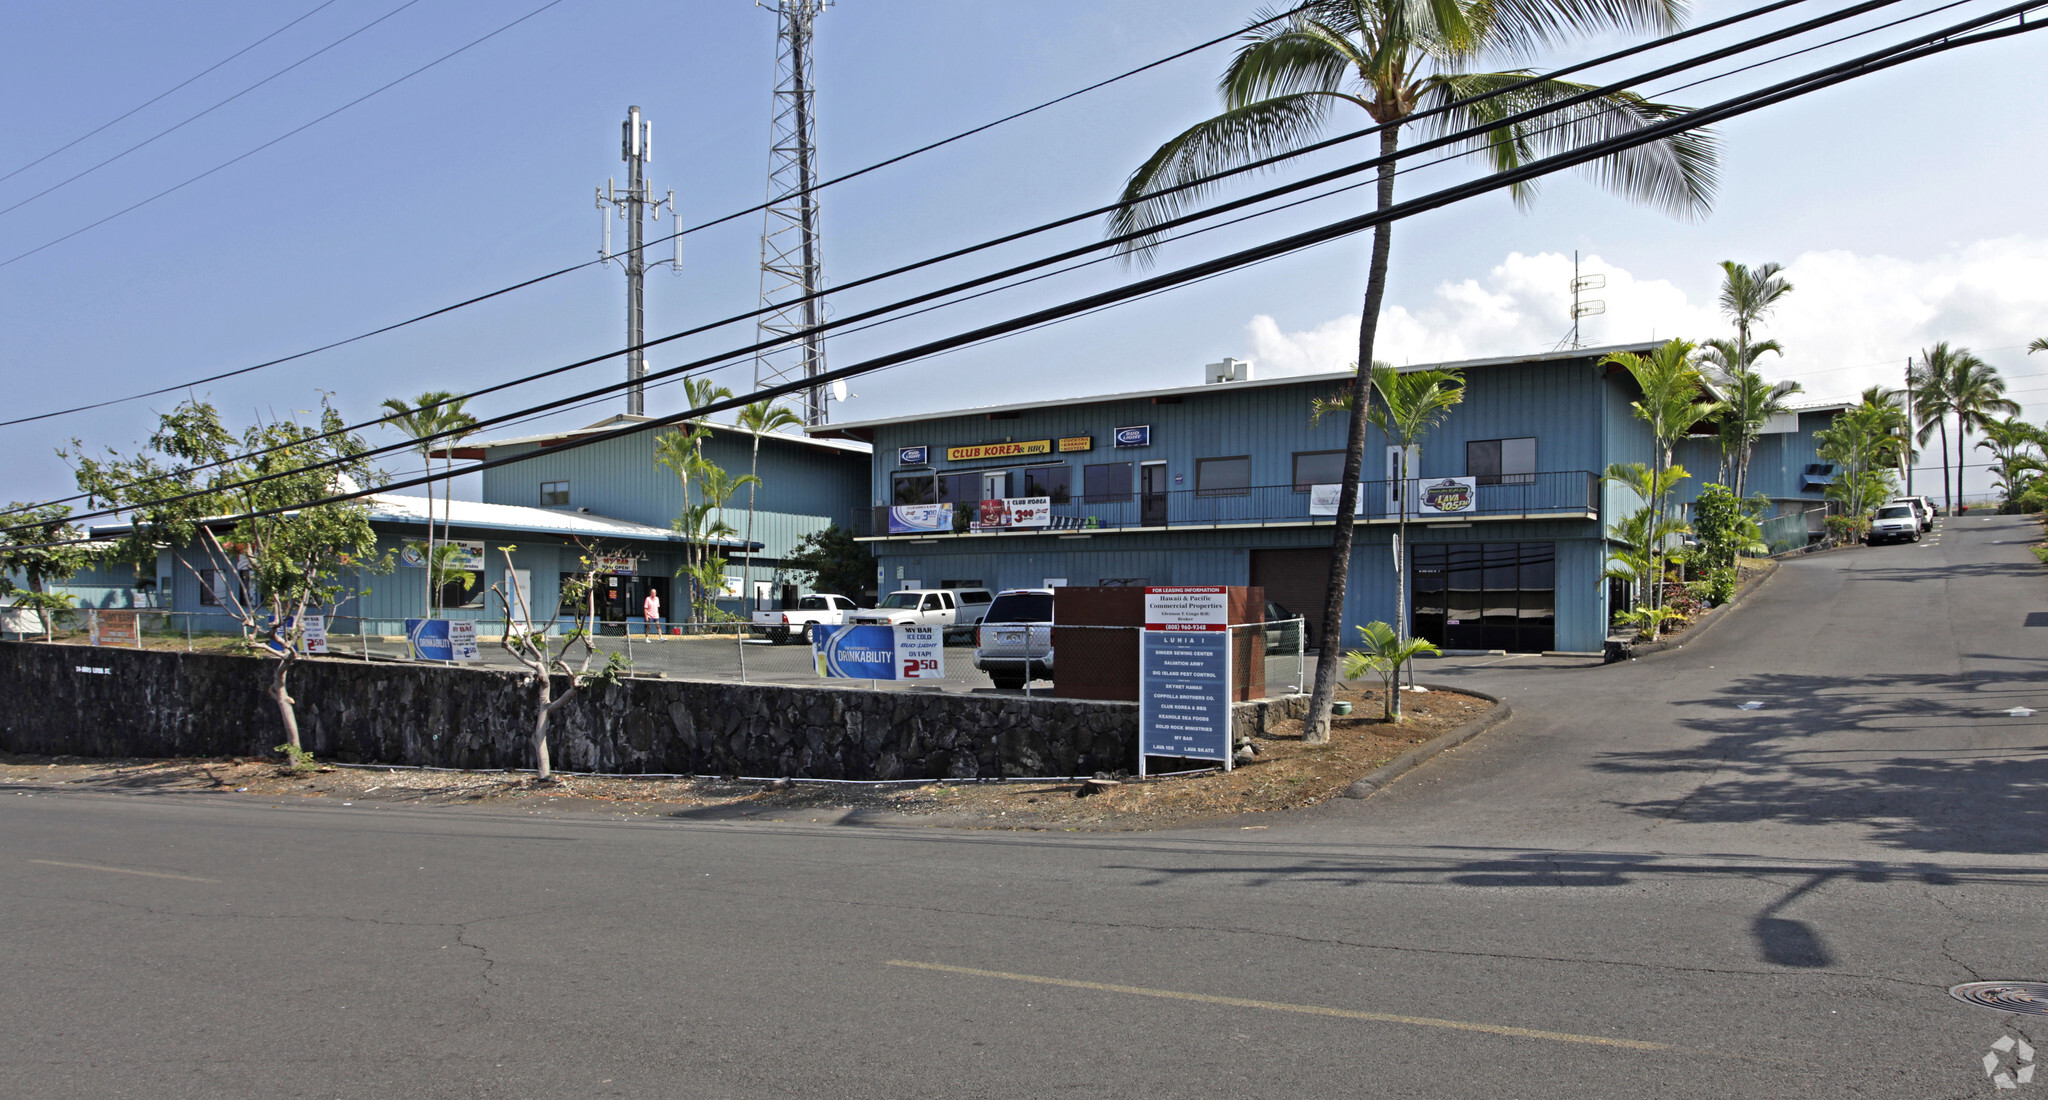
{"points": [[812, 603], [1223, 476], [914, 489], [1056, 482], [974, 597], [1021, 607], [1107, 481], [1317, 468]]}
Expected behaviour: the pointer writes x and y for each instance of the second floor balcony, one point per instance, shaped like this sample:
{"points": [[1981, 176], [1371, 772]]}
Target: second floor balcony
{"points": [[1567, 494]]}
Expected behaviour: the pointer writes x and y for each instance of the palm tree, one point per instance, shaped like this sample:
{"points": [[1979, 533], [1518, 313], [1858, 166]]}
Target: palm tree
{"points": [[1977, 397], [1932, 400], [1384, 651], [760, 418], [1405, 407], [1391, 59], [1671, 405], [423, 421], [1748, 401], [2014, 446], [1644, 532]]}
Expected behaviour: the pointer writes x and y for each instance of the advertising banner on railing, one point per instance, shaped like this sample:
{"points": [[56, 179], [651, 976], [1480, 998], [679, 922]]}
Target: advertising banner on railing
{"points": [[443, 639], [920, 519], [880, 652], [1323, 500], [1447, 496], [1016, 512]]}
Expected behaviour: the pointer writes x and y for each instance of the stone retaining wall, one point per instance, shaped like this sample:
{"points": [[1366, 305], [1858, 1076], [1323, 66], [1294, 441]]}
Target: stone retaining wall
{"points": [[159, 704]]}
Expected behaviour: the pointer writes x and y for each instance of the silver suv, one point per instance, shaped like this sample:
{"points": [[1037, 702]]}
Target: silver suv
{"points": [[1014, 644], [1894, 523]]}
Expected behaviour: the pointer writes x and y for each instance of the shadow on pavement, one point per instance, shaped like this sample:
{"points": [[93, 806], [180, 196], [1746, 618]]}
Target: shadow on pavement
{"points": [[1779, 763]]}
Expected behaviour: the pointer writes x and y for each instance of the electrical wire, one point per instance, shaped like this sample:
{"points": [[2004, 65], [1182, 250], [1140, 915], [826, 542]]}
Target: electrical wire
{"points": [[1739, 17], [1440, 142], [189, 119], [124, 116], [1927, 45], [379, 90]]}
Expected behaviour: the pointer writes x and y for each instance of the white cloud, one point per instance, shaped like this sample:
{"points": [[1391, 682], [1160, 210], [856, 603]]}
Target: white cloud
{"points": [[1851, 321]]}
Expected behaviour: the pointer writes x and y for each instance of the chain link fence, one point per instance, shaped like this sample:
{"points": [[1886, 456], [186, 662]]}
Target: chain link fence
{"points": [[1268, 658]]}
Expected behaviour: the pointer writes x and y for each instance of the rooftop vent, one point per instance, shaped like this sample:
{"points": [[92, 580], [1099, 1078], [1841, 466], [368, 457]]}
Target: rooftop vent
{"points": [[1229, 370]]}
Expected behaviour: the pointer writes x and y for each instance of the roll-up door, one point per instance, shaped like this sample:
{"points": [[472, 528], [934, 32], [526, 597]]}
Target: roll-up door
{"points": [[1298, 580]]}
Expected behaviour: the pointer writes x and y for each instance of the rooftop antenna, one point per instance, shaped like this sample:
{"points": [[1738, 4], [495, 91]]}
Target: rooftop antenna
{"points": [[1593, 307], [636, 148], [791, 264]]}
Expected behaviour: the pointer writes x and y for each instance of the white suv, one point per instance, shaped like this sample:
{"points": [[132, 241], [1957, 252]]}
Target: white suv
{"points": [[1894, 523], [1014, 644], [1922, 506]]}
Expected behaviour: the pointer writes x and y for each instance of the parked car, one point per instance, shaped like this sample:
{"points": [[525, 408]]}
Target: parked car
{"points": [[1282, 634], [1923, 505], [1894, 523], [957, 610], [1014, 642], [823, 609]]}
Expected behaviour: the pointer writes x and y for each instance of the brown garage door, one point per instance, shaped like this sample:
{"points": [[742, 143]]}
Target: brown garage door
{"points": [[1298, 580]]}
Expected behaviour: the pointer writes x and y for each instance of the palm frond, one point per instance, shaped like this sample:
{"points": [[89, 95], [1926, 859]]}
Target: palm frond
{"points": [[1523, 25]]}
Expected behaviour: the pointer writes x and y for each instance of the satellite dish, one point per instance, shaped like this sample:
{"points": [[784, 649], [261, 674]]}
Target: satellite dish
{"points": [[839, 389]]}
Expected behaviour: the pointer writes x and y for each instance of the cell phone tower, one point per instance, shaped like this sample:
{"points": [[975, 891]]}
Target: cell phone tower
{"points": [[636, 148], [792, 271]]}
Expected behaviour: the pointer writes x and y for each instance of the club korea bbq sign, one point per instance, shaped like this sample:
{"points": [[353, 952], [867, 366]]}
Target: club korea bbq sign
{"points": [[999, 450]]}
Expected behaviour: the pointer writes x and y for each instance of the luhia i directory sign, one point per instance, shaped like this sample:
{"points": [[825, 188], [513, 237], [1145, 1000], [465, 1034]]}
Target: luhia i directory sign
{"points": [[1184, 674]]}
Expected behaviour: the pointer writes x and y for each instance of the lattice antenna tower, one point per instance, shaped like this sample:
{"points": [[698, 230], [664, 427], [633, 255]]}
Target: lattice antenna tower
{"points": [[791, 261], [1584, 307]]}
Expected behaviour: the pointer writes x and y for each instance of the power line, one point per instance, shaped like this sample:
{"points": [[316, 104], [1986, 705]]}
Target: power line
{"points": [[174, 88], [1444, 140], [1100, 244], [1917, 48], [189, 119], [1739, 17], [281, 137]]}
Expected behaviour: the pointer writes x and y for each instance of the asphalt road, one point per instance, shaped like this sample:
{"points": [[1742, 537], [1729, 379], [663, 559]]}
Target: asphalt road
{"points": [[1636, 888]]}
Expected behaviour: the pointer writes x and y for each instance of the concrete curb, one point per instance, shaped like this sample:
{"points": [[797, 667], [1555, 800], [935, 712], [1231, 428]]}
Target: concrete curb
{"points": [[1709, 620], [1379, 778]]}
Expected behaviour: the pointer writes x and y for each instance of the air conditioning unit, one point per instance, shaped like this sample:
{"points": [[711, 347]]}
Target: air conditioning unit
{"points": [[1229, 370]]}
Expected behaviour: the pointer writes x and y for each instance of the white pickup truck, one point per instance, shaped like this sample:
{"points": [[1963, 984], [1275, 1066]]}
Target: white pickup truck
{"points": [[957, 611], [810, 611]]}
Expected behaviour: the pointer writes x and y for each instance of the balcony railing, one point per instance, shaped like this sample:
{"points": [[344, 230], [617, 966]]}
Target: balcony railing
{"points": [[1567, 493]]}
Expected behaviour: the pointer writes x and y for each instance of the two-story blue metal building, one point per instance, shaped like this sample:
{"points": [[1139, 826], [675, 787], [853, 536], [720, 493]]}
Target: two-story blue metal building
{"points": [[1218, 484]]}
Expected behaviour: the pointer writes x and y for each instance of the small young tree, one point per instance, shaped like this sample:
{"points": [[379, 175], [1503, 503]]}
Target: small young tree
{"points": [[759, 418], [526, 640], [1644, 533], [27, 550], [289, 562], [834, 562], [1383, 651]]}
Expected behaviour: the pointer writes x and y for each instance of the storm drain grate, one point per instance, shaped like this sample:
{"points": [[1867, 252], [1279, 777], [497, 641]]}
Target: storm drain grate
{"points": [[2028, 997]]}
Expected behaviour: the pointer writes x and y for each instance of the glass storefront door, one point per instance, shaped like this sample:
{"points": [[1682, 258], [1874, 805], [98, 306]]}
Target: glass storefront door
{"points": [[1492, 595]]}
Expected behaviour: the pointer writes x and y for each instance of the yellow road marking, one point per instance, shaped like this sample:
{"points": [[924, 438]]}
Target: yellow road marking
{"points": [[1281, 1006], [121, 870]]}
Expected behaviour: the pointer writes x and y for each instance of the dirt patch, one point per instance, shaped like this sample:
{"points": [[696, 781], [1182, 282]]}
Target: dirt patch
{"points": [[1286, 774]]}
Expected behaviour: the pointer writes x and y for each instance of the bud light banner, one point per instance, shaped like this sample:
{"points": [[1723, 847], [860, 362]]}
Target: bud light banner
{"points": [[880, 652], [1136, 435], [920, 519], [1449, 496]]}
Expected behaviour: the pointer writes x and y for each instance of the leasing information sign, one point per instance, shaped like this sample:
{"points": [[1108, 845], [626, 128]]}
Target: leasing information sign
{"points": [[880, 652], [1184, 675]]}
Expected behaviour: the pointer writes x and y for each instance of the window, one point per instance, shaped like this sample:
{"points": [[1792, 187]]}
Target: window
{"points": [[1223, 477], [1502, 461], [454, 594], [900, 601], [1106, 482], [1056, 482], [1317, 468], [209, 588], [914, 488], [959, 487], [554, 494], [1021, 607]]}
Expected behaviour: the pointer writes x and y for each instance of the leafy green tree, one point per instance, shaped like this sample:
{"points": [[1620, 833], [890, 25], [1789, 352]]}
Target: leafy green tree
{"points": [[1391, 59], [759, 418], [1383, 651], [2016, 454], [294, 554], [1865, 440], [33, 549], [835, 562], [526, 639]]}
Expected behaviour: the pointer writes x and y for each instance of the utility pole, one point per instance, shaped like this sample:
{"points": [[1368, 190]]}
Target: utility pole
{"points": [[1590, 308], [636, 148], [1909, 425], [792, 275]]}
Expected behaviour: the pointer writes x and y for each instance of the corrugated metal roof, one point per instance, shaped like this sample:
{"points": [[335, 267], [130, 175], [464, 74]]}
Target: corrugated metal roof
{"points": [[395, 508], [1218, 387]]}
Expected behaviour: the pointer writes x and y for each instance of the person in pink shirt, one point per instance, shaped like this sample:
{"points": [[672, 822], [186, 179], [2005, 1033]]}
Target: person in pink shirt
{"points": [[650, 609]]}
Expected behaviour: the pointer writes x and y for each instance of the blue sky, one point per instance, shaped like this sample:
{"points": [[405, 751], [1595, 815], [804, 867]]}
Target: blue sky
{"points": [[1892, 199]]}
